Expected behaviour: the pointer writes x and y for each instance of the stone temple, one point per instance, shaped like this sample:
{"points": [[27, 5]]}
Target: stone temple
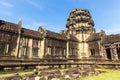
{"points": [[79, 41]]}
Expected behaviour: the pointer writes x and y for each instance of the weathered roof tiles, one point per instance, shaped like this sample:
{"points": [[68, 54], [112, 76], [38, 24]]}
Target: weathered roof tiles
{"points": [[112, 38], [8, 26], [31, 33], [54, 35], [94, 37]]}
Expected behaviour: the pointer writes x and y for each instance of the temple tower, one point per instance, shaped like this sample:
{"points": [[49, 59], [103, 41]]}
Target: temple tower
{"points": [[81, 25]]}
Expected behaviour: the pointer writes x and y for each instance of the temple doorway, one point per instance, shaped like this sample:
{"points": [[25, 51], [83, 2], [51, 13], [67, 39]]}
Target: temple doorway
{"points": [[118, 53], [108, 53]]}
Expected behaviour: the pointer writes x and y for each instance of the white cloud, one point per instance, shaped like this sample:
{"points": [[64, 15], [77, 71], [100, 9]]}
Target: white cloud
{"points": [[5, 4], [35, 4]]}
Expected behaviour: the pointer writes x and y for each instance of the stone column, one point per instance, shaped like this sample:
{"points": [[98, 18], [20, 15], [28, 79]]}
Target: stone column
{"points": [[111, 51], [54, 51], [104, 54], [45, 46], [30, 46], [39, 48], [67, 52], [41, 53], [114, 52], [16, 53], [116, 56], [100, 51]]}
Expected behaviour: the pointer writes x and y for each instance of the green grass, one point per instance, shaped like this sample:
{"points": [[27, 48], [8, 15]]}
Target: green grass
{"points": [[108, 75], [23, 73], [20, 73], [4, 75]]}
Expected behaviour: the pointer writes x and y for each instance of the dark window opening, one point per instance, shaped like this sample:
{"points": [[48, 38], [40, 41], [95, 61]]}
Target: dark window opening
{"points": [[92, 52], [108, 53], [4, 48], [118, 53]]}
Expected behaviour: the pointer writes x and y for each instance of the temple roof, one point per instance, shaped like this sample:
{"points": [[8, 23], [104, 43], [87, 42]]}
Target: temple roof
{"points": [[94, 37], [31, 33], [79, 16], [8, 26], [12, 27], [54, 35], [112, 38]]}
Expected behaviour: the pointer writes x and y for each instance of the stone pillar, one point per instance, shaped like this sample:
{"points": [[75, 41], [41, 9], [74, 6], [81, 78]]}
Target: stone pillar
{"points": [[20, 48], [51, 51], [86, 50], [61, 53], [54, 51], [30, 46], [16, 53], [100, 51], [114, 52], [104, 54], [17, 47], [111, 51], [67, 52], [39, 46], [42, 48]]}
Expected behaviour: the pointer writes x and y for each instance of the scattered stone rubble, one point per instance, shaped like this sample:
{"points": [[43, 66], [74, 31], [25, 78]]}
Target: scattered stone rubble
{"points": [[68, 74]]}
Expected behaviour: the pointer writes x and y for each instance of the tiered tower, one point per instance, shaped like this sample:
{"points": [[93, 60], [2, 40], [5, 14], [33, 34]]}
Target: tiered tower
{"points": [[81, 25]]}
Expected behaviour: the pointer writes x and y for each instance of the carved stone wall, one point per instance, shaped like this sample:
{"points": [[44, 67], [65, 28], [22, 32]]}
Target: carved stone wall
{"points": [[80, 40], [81, 25]]}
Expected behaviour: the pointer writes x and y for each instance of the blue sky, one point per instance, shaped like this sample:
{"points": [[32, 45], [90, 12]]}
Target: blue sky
{"points": [[52, 14]]}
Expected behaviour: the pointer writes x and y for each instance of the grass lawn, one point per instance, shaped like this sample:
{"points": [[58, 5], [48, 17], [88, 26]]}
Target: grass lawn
{"points": [[10, 74], [108, 75]]}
